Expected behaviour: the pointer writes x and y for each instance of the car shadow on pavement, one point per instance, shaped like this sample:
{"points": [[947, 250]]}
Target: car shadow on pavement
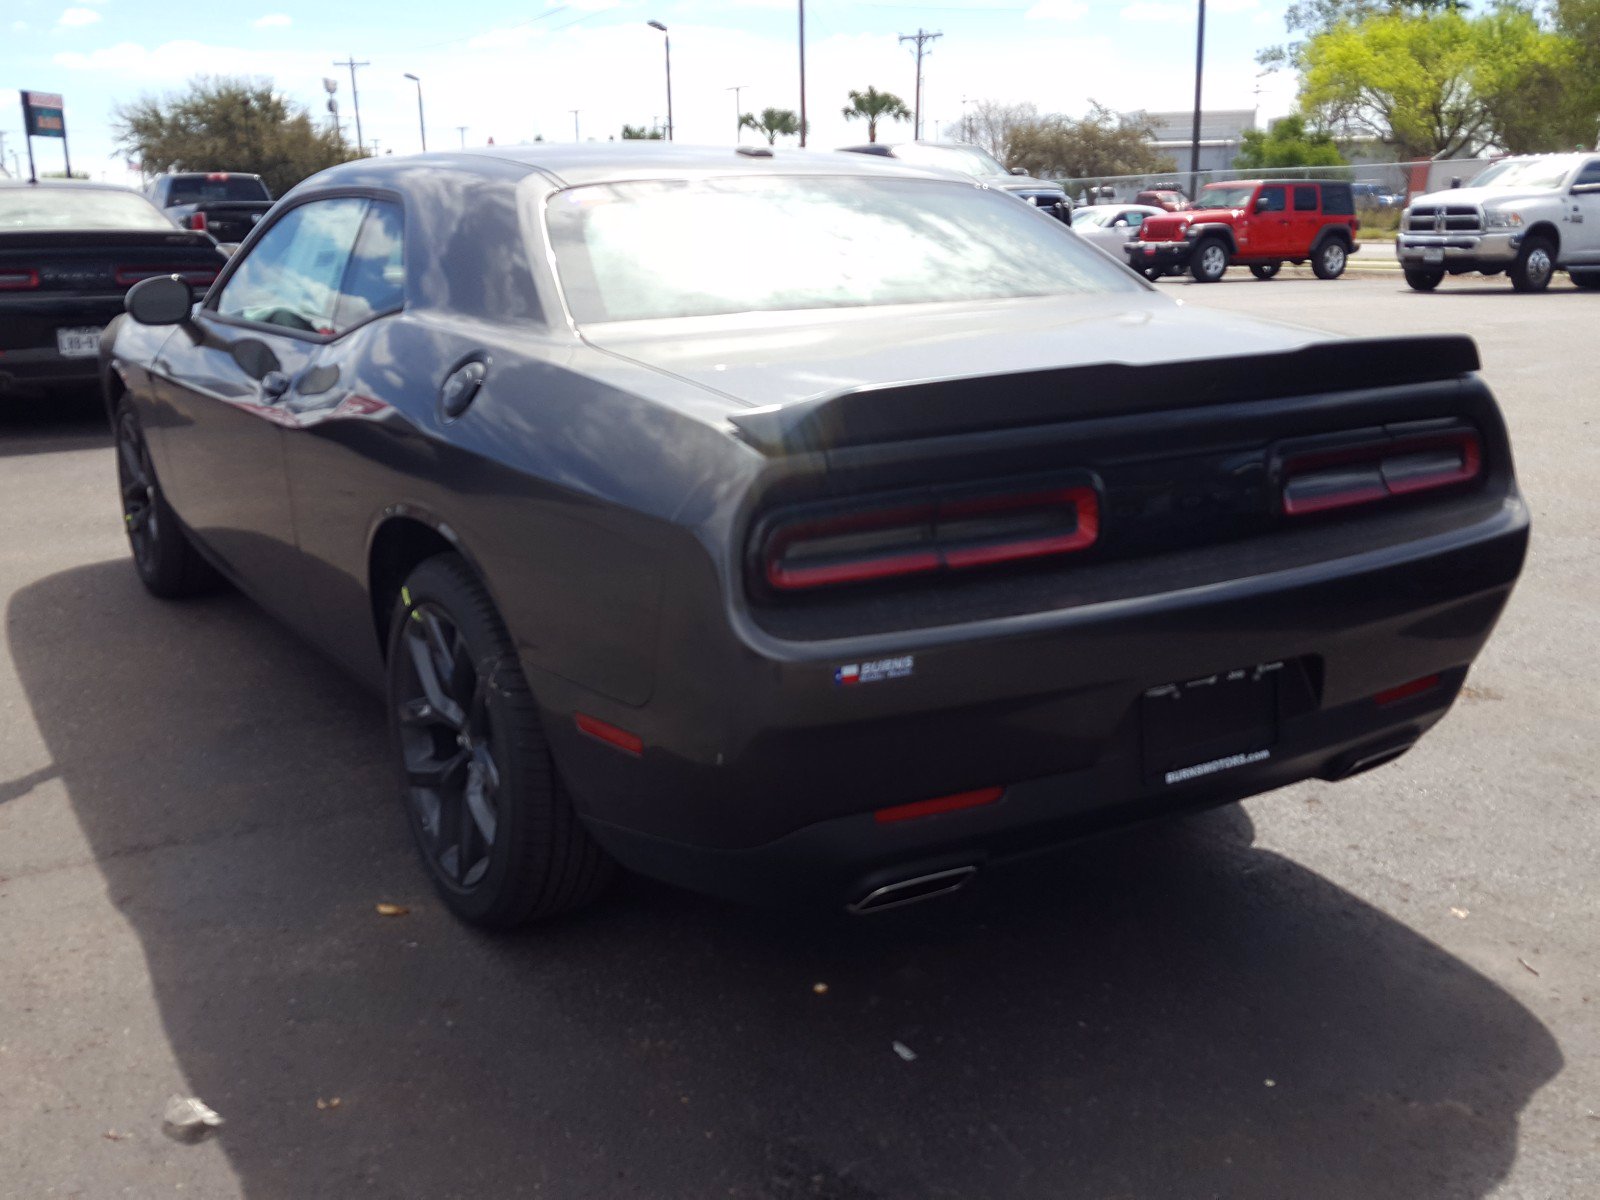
{"points": [[1169, 1012], [74, 420]]}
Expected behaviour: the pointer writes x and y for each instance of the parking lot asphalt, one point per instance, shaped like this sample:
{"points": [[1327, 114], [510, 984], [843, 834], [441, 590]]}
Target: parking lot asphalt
{"points": [[1384, 988]]}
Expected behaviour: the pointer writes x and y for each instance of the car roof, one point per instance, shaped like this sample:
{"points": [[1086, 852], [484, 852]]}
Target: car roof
{"points": [[615, 162], [83, 185]]}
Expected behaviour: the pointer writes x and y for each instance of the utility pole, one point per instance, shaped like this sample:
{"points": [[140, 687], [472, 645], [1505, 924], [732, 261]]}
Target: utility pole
{"points": [[575, 135], [355, 97], [922, 37], [802, 74], [1199, 74], [667, 40], [738, 113], [461, 131]]}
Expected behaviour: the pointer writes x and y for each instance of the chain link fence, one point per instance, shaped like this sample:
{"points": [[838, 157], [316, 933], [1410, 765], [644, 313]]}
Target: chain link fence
{"points": [[1378, 186]]}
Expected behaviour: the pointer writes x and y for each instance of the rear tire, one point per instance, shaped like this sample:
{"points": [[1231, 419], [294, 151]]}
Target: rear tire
{"points": [[168, 564], [491, 818], [1423, 279], [1208, 260], [1264, 271], [1330, 259], [1588, 280], [1534, 265]]}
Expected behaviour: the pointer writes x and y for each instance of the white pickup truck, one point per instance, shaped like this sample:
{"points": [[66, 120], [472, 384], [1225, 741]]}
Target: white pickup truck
{"points": [[1528, 217]]}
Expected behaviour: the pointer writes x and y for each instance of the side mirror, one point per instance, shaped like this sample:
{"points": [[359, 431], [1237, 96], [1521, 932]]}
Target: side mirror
{"points": [[1019, 170], [1456, 182], [161, 300]]}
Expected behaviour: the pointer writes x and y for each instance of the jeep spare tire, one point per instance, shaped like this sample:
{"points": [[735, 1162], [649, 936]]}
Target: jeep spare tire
{"points": [[1208, 260], [1265, 270]]}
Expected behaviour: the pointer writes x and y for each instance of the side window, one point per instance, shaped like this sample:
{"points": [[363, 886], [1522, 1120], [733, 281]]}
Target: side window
{"points": [[1305, 198], [1135, 219], [375, 280], [291, 276], [1338, 199], [1271, 199], [1590, 173]]}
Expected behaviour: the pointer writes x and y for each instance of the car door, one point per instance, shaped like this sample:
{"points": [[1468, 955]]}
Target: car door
{"points": [[1269, 223], [1581, 230], [1305, 219], [230, 382]]}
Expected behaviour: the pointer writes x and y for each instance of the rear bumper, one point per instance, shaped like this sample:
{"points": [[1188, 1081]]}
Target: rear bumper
{"points": [[761, 770], [29, 358]]}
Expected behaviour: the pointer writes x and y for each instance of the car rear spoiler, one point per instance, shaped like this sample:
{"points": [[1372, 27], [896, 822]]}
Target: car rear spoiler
{"points": [[967, 404]]}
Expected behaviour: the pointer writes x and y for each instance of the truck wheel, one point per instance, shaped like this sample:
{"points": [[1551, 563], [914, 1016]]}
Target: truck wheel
{"points": [[1265, 270], [1534, 265], [1330, 259], [1588, 280], [1208, 260], [1424, 279], [490, 815]]}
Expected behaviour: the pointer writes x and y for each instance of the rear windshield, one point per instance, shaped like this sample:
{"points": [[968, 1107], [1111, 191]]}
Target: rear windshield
{"points": [[680, 248], [193, 189], [28, 207]]}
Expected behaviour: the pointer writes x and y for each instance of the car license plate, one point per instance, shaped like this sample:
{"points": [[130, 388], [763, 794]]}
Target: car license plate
{"points": [[81, 342], [1202, 727], [1433, 256]]}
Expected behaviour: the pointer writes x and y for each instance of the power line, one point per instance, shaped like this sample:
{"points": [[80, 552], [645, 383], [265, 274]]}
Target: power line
{"points": [[921, 37]]}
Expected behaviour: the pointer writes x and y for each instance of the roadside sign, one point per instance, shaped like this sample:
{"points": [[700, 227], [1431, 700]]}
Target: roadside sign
{"points": [[44, 114]]}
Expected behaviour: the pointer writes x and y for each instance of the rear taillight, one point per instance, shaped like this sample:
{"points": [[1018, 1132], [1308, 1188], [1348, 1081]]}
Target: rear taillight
{"points": [[916, 537], [197, 221], [1378, 469], [194, 276], [18, 279]]}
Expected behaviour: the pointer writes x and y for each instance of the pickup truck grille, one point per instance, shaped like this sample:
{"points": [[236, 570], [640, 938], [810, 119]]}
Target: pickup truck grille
{"points": [[1444, 218]]}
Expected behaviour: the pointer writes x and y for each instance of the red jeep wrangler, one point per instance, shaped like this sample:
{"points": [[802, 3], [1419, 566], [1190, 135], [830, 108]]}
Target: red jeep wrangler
{"points": [[1261, 224]]}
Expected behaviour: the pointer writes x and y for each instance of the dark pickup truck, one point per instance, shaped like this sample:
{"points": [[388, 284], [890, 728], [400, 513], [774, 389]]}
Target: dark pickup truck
{"points": [[224, 204]]}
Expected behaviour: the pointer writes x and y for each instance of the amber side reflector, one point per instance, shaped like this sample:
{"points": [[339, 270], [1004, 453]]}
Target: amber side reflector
{"points": [[1406, 690], [940, 804], [604, 731]]}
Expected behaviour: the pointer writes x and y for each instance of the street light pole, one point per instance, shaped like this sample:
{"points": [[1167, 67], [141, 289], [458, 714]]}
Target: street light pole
{"points": [[666, 38], [1199, 73], [575, 112], [802, 74], [422, 129], [738, 113], [462, 130]]}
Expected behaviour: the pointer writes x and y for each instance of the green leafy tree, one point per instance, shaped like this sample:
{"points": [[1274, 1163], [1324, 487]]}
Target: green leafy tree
{"points": [[1446, 84], [873, 106], [1101, 144], [1288, 143], [774, 123], [639, 133], [1308, 18], [227, 124]]}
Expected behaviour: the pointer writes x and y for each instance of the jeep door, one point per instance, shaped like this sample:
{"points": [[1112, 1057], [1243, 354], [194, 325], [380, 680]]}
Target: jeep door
{"points": [[1304, 219], [1269, 224]]}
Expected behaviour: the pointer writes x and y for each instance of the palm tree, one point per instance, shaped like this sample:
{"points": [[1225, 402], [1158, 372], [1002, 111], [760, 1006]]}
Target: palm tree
{"points": [[874, 106], [773, 123]]}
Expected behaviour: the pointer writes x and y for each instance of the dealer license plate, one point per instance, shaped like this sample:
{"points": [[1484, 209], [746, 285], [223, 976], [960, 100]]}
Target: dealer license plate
{"points": [[81, 342], [1433, 256], [1202, 727]]}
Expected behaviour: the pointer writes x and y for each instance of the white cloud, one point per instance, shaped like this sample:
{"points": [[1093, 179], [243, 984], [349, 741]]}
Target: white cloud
{"points": [[1057, 10], [273, 21], [73, 17]]}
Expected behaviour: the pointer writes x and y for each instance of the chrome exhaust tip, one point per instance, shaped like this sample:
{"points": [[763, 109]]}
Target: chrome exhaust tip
{"points": [[909, 891]]}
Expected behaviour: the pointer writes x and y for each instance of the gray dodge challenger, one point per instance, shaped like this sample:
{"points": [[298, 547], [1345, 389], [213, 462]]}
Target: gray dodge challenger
{"points": [[799, 526]]}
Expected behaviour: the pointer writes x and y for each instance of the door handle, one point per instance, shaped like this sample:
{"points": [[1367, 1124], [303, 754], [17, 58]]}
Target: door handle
{"points": [[273, 386]]}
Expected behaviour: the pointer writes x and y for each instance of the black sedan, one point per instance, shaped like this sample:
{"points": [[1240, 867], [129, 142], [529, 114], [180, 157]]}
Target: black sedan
{"points": [[69, 252], [800, 525]]}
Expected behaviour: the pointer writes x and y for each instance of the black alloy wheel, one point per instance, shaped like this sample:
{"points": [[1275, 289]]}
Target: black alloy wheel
{"points": [[167, 563], [490, 816], [1424, 279], [1265, 271]]}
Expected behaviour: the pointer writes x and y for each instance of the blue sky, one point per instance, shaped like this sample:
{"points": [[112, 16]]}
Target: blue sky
{"points": [[513, 70]]}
